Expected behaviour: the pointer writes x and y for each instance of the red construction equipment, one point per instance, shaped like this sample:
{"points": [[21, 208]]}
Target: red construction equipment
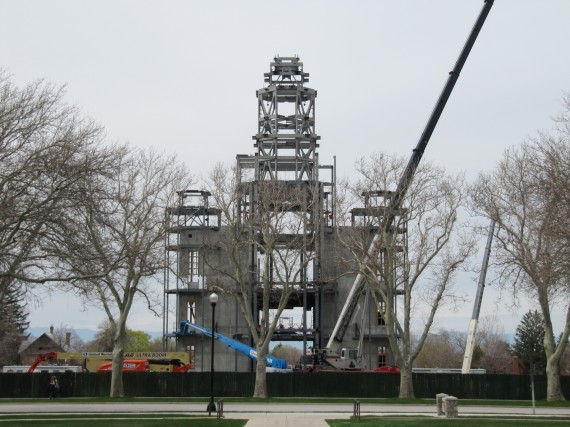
{"points": [[42, 358], [143, 365], [135, 365]]}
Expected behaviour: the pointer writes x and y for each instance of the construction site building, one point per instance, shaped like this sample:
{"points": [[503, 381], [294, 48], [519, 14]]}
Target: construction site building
{"points": [[286, 156]]}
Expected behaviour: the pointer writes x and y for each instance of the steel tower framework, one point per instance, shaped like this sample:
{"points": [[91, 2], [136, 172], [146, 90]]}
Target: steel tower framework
{"points": [[286, 155], [285, 160]]}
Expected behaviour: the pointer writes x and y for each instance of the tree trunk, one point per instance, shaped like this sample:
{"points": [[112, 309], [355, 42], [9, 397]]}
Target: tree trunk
{"points": [[118, 356], [260, 379], [553, 354], [406, 384], [553, 387]]}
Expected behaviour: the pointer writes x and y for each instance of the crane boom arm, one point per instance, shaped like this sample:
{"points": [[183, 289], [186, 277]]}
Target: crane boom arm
{"points": [[349, 307], [470, 345]]}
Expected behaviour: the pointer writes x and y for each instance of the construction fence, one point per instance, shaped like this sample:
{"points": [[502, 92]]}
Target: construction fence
{"points": [[295, 384]]}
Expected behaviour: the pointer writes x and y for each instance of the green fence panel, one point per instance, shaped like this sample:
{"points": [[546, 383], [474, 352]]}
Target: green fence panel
{"points": [[84, 384], [340, 384], [166, 384], [332, 384], [507, 387], [385, 385], [565, 385], [279, 384], [295, 384]]}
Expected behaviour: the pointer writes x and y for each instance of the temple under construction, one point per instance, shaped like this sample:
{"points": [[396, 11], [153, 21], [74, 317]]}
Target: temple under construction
{"points": [[286, 162]]}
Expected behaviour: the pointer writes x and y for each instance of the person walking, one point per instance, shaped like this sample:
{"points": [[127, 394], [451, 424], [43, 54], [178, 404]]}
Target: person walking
{"points": [[53, 388]]}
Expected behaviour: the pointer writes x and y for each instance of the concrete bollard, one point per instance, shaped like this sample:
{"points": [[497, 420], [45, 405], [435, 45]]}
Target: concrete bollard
{"points": [[450, 406], [439, 402]]}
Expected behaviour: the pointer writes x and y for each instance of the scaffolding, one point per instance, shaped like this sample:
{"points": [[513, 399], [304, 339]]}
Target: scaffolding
{"points": [[285, 163], [188, 226]]}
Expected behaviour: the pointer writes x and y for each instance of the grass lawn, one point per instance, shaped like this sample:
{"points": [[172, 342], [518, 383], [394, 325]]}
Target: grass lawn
{"points": [[462, 422], [89, 420]]}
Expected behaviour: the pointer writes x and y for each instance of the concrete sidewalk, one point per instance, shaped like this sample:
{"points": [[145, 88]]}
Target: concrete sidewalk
{"points": [[307, 415], [287, 414], [286, 419], [272, 414]]}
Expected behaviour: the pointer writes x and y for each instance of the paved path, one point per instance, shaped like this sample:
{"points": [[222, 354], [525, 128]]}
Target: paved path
{"points": [[274, 414], [286, 420]]}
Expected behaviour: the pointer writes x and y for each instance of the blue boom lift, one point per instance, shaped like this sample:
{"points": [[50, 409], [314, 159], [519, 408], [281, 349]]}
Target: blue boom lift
{"points": [[234, 344]]}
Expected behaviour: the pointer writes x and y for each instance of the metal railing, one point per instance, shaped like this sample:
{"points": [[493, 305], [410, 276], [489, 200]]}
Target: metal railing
{"points": [[356, 409], [220, 407]]}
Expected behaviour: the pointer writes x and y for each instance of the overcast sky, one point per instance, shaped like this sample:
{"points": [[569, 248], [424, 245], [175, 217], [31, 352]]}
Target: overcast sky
{"points": [[182, 76]]}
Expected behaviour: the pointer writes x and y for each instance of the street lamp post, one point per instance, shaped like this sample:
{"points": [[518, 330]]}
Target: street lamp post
{"points": [[212, 405]]}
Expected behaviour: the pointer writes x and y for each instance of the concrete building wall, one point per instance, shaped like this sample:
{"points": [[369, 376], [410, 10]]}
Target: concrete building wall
{"points": [[337, 278], [194, 305], [338, 268]]}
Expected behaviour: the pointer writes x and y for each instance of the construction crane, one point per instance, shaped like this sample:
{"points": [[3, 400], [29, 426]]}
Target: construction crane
{"points": [[470, 346], [238, 346], [333, 354]]}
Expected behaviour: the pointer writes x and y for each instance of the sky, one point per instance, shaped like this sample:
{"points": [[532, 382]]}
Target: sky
{"points": [[182, 76]]}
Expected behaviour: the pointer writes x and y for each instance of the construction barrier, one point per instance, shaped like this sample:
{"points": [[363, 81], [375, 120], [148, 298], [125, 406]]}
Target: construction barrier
{"points": [[296, 384]]}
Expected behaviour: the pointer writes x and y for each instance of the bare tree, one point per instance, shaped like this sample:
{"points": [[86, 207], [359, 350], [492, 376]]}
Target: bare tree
{"points": [[527, 197], [68, 339], [445, 349], [423, 245], [119, 238], [48, 156], [442, 350], [104, 338], [279, 231], [495, 355], [288, 352]]}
